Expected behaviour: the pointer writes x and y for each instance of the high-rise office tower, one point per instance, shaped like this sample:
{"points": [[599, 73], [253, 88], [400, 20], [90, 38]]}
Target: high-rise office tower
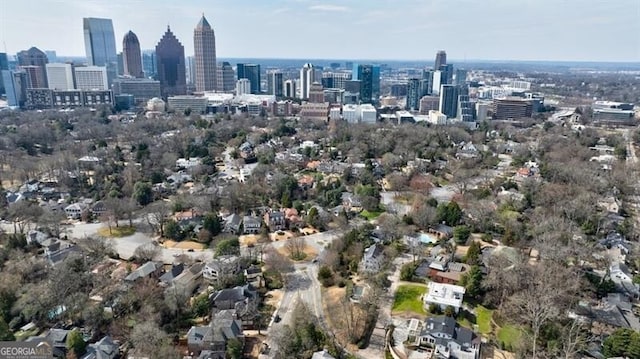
{"points": [[15, 86], [100, 45], [316, 93], [226, 77], [4, 65], [275, 84], [149, 63], [243, 87], [460, 77], [171, 65], [465, 108], [120, 63], [413, 94], [449, 100], [290, 88], [250, 72], [191, 70], [33, 61], [52, 56], [369, 77], [446, 74], [435, 84], [441, 59], [131, 56], [307, 77], [60, 76], [204, 44], [335, 79], [91, 78]]}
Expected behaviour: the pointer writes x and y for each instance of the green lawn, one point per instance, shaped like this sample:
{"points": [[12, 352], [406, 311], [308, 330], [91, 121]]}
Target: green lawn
{"points": [[509, 335], [370, 215], [407, 299], [116, 232], [483, 319]]}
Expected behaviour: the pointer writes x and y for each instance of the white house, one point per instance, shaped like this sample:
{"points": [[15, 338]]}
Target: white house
{"points": [[75, 210], [444, 295], [372, 259]]}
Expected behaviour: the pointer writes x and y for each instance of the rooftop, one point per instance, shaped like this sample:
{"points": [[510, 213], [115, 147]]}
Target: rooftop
{"points": [[445, 294]]}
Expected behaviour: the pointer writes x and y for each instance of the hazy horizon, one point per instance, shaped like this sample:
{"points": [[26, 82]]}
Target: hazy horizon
{"points": [[407, 30]]}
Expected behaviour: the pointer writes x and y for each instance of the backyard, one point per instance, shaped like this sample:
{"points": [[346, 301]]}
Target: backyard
{"points": [[408, 299]]}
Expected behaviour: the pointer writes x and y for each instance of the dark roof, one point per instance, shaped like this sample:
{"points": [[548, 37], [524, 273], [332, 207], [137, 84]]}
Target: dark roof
{"points": [[62, 254], [251, 221], [443, 228], [57, 336], [143, 271], [373, 252], [254, 269], [172, 273], [448, 326], [105, 348], [235, 294], [203, 23]]}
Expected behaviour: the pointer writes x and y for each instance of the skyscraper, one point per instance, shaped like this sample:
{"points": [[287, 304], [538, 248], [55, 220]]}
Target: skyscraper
{"points": [[250, 72], [226, 77], [15, 87], [4, 65], [441, 59], [446, 74], [369, 76], [191, 70], [204, 43], [413, 94], [460, 77], [100, 44], [307, 77], [171, 65], [34, 61], [449, 100], [149, 63], [60, 76], [275, 84], [290, 88], [131, 56]]}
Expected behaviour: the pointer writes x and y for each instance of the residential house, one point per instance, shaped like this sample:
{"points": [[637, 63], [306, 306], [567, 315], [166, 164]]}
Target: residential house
{"points": [[610, 204], [253, 274], [232, 224], [467, 150], [373, 259], [169, 276], [98, 209], [75, 210], [104, 348], [444, 295], [220, 266], [58, 340], [275, 220], [213, 338], [351, 202], [622, 277], [189, 279], [147, 270], [615, 240], [613, 312], [58, 251], [446, 338], [14, 197], [447, 272], [442, 231], [243, 299], [322, 355], [252, 224], [292, 217], [34, 236]]}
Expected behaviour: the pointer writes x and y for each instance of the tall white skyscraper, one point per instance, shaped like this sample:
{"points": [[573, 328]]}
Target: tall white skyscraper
{"points": [[100, 44], [204, 43], [307, 77], [243, 86], [60, 76], [91, 78], [290, 88]]}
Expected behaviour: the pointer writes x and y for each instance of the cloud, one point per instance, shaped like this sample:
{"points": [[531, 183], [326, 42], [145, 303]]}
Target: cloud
{"points": [[327, 7], [279, 11]]}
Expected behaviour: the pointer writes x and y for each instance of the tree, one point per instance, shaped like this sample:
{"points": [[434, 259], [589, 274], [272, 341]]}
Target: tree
{"points": [[325, 276], [157, 215], [622, 343], [449, 213], [228, 246], [172, 230], [473, 253], [143, 193], [212, 224], [461, 234], [146, 252], [296, 246], [313, 218], [234, 349], [472, 282], [5, 332], [408, 271], [22, 214], [76, 343]]}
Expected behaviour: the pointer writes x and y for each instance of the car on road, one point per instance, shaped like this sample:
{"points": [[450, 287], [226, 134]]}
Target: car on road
{"points": [[190, 250], [277, 318]]}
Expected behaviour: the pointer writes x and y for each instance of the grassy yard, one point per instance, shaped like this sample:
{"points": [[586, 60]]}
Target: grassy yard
{"points": [[116, 232], [509, 335], [370, 215], [407, 299], [483, 319]]}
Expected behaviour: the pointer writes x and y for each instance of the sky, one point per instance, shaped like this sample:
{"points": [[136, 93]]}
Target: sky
{"points": [[552, 30]]}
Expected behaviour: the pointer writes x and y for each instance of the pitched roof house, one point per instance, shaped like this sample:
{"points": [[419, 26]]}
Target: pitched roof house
{"points": [[446, 337], [213, 338]]}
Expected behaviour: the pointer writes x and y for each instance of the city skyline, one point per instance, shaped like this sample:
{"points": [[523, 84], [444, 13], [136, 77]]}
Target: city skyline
{"points": [[555, 31]]}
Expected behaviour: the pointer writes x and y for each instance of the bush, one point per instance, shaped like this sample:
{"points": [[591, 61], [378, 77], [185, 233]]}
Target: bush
{"points": [[408, 271], [325, 276], [461, 234]]}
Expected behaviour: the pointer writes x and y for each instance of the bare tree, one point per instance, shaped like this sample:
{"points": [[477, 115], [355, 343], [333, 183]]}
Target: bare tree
{"points": [[23, 214], [296, 246], [146, 252], [157, 215]]}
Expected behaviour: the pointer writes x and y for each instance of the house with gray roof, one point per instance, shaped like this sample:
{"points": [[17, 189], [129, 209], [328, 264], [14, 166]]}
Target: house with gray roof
{"points": [[212, 339], [372, 259], [104, 348], [232, 223], [252, 224], [446, 338], [168, 277], [221, 266], [322, 355], [146, 270]]}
